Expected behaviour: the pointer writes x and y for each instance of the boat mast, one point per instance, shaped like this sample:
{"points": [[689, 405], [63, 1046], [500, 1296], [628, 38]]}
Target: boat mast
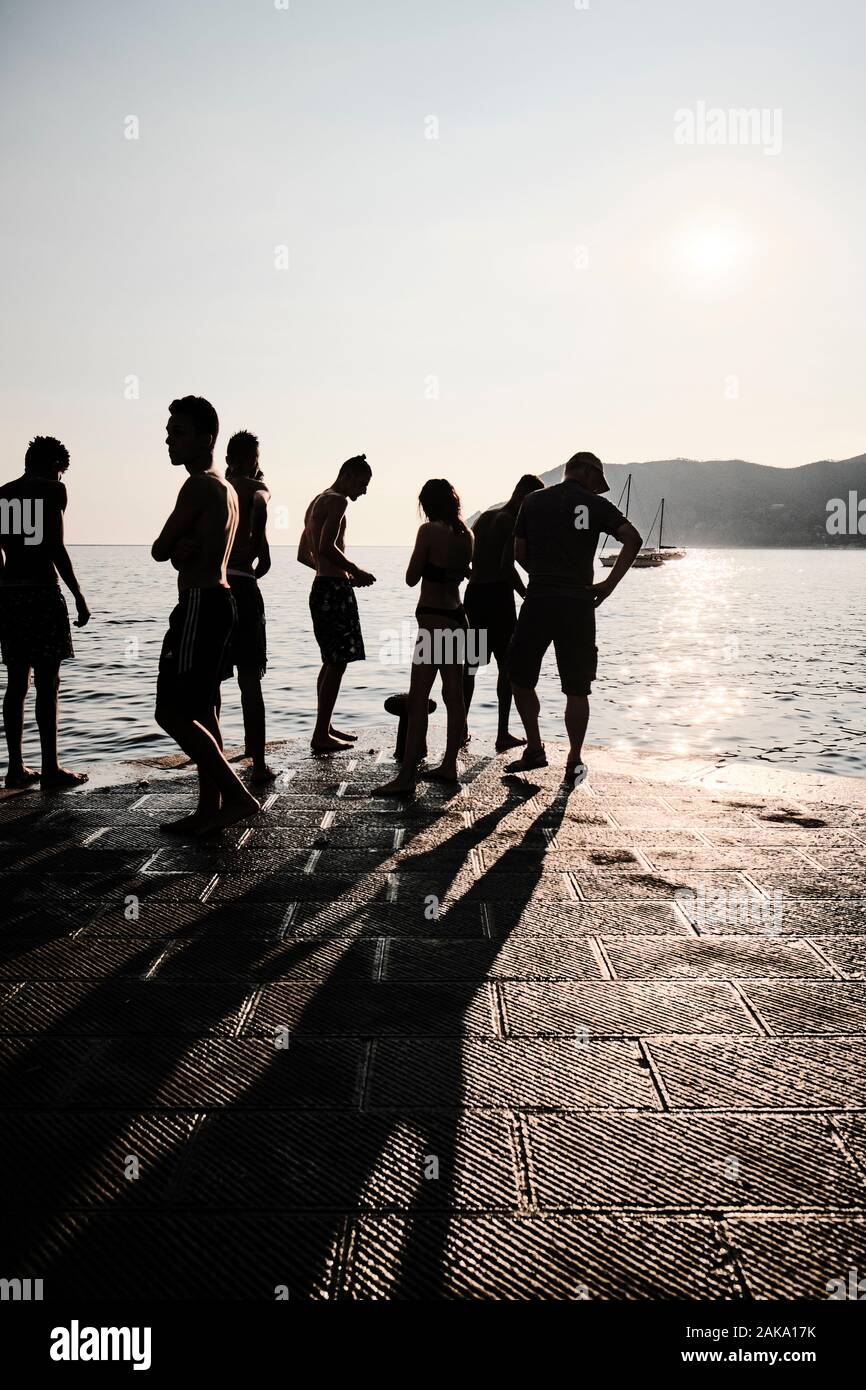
{"points": [[661, 523]]}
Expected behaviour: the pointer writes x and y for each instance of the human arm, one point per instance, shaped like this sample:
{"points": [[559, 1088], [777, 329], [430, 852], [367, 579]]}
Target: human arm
{"points": [[179, 524], [259, 536], [631, 541], [418, 560], [63, 565], [330, 552], [305, 554]]}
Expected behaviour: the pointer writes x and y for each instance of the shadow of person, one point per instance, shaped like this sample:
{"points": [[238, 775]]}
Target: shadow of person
{"points": [[346, 1032]]}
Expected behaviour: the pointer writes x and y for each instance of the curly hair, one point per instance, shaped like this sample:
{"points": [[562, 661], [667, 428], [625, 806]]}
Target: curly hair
{"points": [[45, 452]]}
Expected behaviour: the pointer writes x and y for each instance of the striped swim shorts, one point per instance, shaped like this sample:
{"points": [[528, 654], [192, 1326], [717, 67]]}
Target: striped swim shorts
{"points": [[195, 653]]}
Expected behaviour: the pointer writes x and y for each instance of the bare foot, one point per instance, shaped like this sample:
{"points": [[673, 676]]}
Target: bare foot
{"points": [[61, 777], [506, 741], [330, 745], [262, 774], [445, 772], [528, 760], [21, 777], [338, 733], [187, 825], [398, 786], [237, 809], [576, 772]]}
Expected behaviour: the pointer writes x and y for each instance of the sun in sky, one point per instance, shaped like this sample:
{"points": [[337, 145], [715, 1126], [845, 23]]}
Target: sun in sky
{"points": [[711, 255]]}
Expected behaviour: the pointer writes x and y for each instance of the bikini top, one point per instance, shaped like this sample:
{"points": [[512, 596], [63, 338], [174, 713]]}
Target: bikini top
{"points": [[442, 574]]}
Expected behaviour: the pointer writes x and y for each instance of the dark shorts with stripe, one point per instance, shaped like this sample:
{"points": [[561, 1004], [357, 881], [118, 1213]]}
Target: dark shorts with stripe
{"points": [[566, 620], [249, 644], [195, 651], [336, 622], [34, 625], [491, 616]]}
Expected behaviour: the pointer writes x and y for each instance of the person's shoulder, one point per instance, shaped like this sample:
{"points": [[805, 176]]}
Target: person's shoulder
{"points": [[52, 490], [534, 500]]}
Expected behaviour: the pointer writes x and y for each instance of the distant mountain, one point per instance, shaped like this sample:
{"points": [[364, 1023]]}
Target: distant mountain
{"points": [[728, 502]]}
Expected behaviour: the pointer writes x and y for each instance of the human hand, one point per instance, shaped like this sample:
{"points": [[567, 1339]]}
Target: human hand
{"points": [[601, 591]]}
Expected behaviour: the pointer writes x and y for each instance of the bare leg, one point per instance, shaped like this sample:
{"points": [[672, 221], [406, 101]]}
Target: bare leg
{"points": [[253, 707], [576, 720], [469, 676], [528, 708], [505, 740], [452, 694], [219, 787], [327, 690], [17, 686], [47, 681]]}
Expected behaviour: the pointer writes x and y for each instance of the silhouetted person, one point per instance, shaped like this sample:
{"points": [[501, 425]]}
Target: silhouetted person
{"points": [[489, 602], [440, 560], [34, 621], [333, 605], [197, 539], [556, 536], [249, 561]]}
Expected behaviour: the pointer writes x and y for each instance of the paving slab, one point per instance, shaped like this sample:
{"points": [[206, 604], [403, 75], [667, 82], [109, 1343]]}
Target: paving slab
{"points": [[689, 1162], [612, 1008], [762, 1073], [538, 1257], [524, 1041]]}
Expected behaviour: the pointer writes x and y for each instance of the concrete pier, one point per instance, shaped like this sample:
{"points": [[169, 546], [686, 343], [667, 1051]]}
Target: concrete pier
{"points": [[520, 1042]]}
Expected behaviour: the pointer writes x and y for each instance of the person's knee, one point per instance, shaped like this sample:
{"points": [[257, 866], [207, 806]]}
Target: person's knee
{"points": [[46, 679], [165, 716], [18, 680], [249, 680]]}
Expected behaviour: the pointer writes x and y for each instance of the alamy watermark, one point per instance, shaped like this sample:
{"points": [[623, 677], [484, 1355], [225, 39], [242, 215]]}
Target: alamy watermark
{"points": [[22, 516], [846, 516], [731, 907], [712, 125]]}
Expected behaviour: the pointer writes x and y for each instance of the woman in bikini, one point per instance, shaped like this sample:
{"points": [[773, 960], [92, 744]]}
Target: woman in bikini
{"points": [[440, 560]]}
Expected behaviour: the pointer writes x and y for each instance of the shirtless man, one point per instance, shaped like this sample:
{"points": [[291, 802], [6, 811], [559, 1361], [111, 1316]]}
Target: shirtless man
{"points": [[249, 561], [332, 598], [197, 539], [34, 622]]}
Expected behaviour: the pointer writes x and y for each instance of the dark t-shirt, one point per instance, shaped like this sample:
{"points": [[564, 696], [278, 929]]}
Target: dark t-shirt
{"points": [[493, 556], [561, 526], [31, 510]]}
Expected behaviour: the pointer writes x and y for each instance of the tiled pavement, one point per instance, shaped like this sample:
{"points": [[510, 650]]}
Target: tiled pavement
{"points": [[522, 1042]]}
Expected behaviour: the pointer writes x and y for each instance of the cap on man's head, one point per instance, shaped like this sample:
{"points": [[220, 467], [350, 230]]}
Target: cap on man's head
{"points": [[578, 462]]}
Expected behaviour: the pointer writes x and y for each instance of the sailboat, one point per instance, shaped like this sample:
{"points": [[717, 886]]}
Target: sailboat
{"points": [[651, 556]]}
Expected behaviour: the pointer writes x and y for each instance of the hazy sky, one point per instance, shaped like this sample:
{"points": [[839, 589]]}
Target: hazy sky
{"points": [[553, 272]]}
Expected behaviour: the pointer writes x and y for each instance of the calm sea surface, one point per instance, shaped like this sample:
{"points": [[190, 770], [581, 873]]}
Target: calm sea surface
{"points": [[747, 653]]}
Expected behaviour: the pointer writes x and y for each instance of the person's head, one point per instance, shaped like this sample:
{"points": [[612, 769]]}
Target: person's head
{"points": [[586, 469], [242, 455], [528, 483], [354, 476], [439, 501], [191, 432], [46, 457]]}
